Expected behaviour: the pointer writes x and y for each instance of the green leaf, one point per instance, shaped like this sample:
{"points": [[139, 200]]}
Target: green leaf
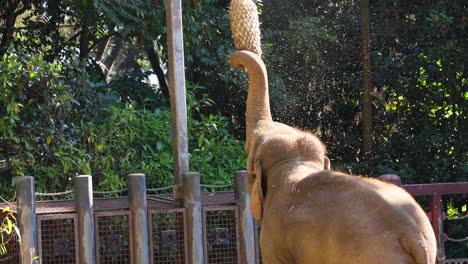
{"points": [[2, 126], [29, 154], [159, 146], [9, 226], [86, 169]]}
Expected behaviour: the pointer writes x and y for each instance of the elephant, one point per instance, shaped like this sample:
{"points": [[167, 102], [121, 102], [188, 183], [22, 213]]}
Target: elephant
{"points": [[313, 215]]}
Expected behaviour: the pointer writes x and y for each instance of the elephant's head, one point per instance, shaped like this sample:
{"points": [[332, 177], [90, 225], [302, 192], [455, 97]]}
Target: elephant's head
{"points": [[272, 147]]}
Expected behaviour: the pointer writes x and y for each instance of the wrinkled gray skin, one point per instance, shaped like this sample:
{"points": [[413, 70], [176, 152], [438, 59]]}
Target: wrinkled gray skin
{"points": [[313, 215]]}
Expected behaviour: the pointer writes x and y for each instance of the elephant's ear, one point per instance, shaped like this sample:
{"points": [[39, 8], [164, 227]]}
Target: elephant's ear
{"points": [[326, 163], [256, 196]]}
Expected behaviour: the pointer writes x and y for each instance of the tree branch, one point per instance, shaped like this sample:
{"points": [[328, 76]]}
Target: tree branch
{"points": [[155, 60], [105, 39], [84, 40], [10, 19], [109, 63]]}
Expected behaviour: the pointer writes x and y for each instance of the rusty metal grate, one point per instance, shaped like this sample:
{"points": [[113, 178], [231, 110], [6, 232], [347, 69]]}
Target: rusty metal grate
{"points": [[54, 207], [456, 261], [12, 249], [221, 234], [106, 204], [163, 201], [217, 198], [113, 240], [11, 207], [168, 236], [58, 238]]}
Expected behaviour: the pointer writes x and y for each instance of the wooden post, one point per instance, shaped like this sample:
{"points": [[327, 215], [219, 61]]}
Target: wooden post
{"points": [[177, 93], [437, 222], [246, 224], [83, 187], [192, 203], [139, 207], [257, 242], [27, 220]]}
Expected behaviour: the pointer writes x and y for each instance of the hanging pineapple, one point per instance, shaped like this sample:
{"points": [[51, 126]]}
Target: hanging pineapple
{"points": [[245, 26]]}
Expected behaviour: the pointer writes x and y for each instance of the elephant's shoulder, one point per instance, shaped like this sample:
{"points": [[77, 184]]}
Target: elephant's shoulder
{"points": [[333, 181], [327, 178]]}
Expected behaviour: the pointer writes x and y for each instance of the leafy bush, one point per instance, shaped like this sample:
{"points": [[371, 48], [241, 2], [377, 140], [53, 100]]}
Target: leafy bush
{"points": [[7, 228], [56, 122], [35, 104], [139, 140]]}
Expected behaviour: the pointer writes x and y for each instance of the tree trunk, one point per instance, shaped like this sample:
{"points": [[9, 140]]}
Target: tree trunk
{"points": [[366, 80], [155, 61], [10, 19], [84, 39]]}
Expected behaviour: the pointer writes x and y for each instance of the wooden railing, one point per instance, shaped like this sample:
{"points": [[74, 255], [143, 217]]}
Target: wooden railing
{"points": [[436, 215]]}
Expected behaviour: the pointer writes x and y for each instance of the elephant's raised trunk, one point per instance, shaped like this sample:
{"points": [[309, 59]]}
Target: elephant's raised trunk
{"points": [[258, 102]]}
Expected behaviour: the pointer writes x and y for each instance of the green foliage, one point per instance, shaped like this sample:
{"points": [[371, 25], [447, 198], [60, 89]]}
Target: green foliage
{"points": [[420, 108], [29, 86], [456, 227], [141, 141], [144, 19], [7, 228], [214, 152], [312, 54], [422, 132], [54, 127], [42, 106], [208, 43]]}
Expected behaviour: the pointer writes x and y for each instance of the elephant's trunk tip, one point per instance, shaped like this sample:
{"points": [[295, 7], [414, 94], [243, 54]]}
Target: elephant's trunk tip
{"points": [[248, 60], [258, 104]]}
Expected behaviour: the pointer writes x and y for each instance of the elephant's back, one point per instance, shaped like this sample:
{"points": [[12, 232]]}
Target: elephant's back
{"points": [[357, 217], [354, 197], [357, 200]]}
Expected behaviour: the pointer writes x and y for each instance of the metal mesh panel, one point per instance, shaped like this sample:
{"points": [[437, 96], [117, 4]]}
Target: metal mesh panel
{"points": [[168, 236], [217, 198], [106, 204], [113, 240], [12, 248], [221, 235], [456, 261], [55, 207], [57, 238]]}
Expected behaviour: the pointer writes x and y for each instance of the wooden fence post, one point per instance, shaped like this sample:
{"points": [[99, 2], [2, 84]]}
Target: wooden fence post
{"points": [[27, 219], [437, 222], [246, 223], [192, 203], [83, 187], [175, 43], [139, 207]]}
